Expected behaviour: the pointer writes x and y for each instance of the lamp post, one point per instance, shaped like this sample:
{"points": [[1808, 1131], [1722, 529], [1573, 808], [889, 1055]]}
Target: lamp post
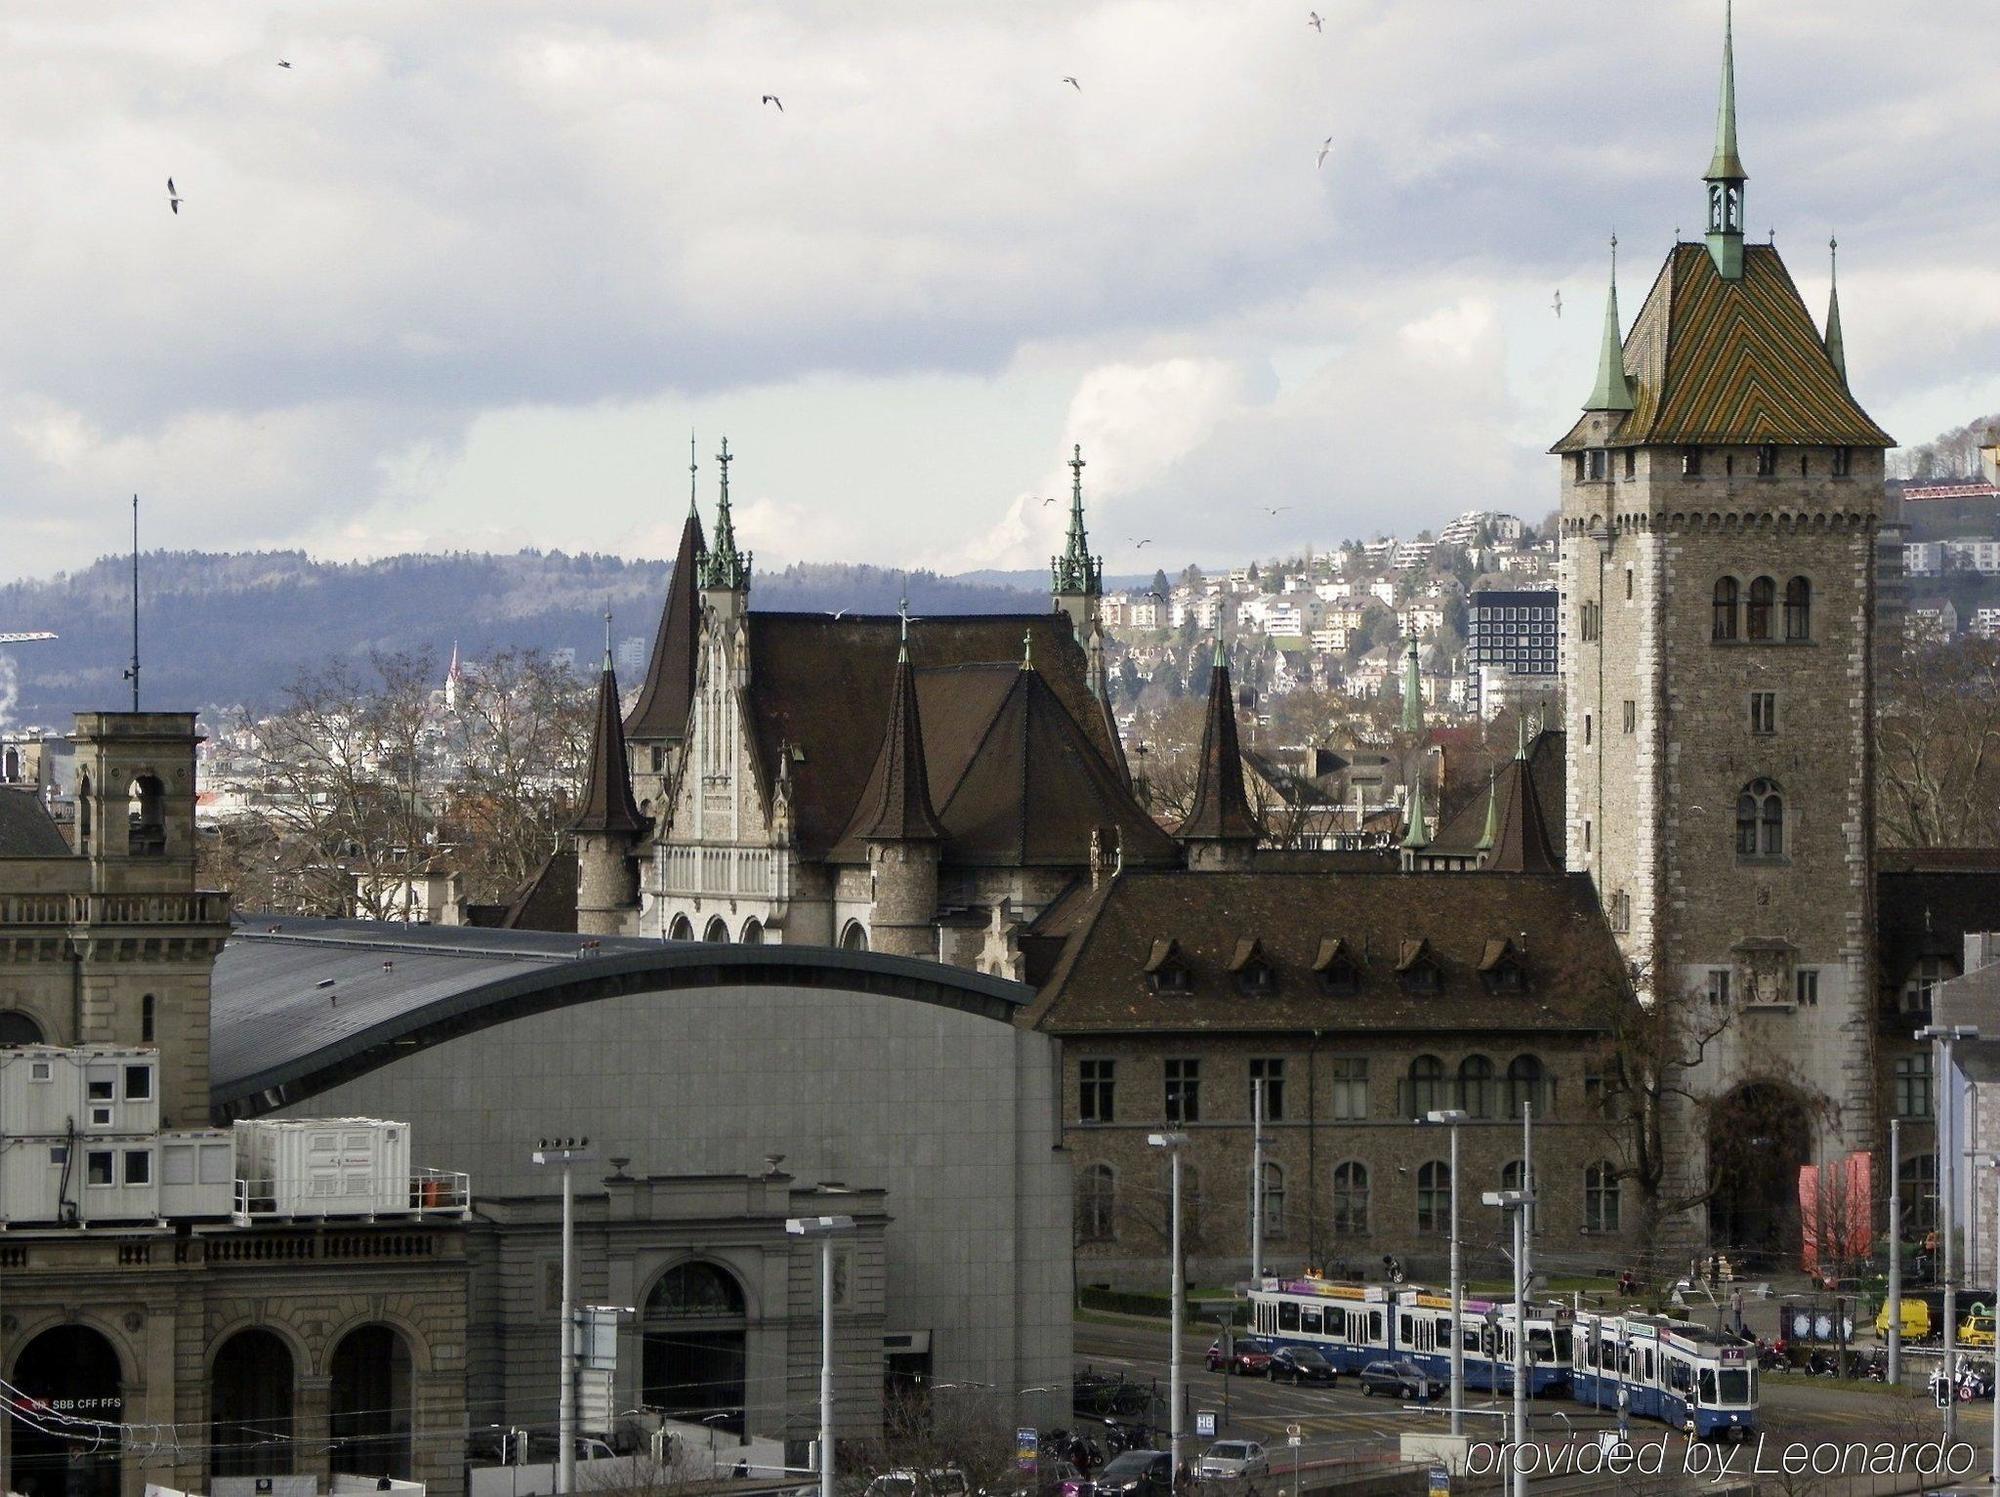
{"points": [[565, 1153], [825, 1228], [1257, 1183], [1451, 1117], [1895, 1253], [1943, 1037], [1517, 1204], [1991, 1157], [1173, 1143]]}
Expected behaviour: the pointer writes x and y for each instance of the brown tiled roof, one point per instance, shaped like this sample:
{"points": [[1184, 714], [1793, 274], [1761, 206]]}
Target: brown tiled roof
{"points": [[1522, 845], [819, 691], [1529, 836], [1099, 984], [661, 712], [1718, 362], [899, 807], [607, 793], [545, 902], [1221, 809], [1929, 910]]}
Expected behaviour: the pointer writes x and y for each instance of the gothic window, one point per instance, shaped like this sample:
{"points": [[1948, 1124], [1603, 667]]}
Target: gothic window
{"points": [[1760, 821], [1600, 1197], [1757, 617], [1767, 460], [1350, 1198], [681, 930], [148, 815], [1628, 584], [854, 937], [717, 933], [1725, 608], [83, 814], [1913, 1085], [753, 932], [1631, 716], [1690, 462], [1434, 1197], [1527, 1085], [1427, 1087], [1475, 1086], [1097, 1203], [1798, 609]]}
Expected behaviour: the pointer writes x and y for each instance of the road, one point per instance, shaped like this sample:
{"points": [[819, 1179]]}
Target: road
{"points": [[1343, 1425]]}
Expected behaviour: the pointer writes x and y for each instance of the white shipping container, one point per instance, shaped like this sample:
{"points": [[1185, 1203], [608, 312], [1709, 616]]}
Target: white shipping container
{"points": [[197, 1173], [46, 1090], [323, 1166]]}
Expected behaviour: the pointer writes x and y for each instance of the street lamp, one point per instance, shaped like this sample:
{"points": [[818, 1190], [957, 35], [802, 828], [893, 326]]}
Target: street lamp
{"points": [[1451, 1117], [825, 1228], [1173, 1143], [1943, 1037], [565, 1153], [1517, 1204]]}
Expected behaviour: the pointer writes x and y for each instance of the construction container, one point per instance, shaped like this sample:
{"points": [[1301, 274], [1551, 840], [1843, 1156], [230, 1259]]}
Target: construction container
{"points": [[197, 1173], [46, 1091], [308, 1167]]}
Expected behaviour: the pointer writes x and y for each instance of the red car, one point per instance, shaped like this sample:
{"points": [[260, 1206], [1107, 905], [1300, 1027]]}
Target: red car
{"points": [[1249, 1357]]}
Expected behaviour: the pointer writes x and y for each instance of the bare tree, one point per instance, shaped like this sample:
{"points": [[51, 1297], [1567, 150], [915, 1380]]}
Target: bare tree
{"points": [[1938, 746], [939, 1431]]}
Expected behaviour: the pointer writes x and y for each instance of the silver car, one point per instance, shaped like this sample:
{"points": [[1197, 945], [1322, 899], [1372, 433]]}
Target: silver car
{"points": [[1227, 1460]]}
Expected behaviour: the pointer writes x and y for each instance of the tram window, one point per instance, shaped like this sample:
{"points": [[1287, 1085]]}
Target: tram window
{"points": [[1375, 1326], [1471, 1335], [1624, 1361], [1708, 1385], [1444, 1331], [1735, 1385], [1336, 1321], [1565, 1353], [1309, 1319], [1649, 1364], [1678, 1372], [1541, 1345], [1406, 1329], [1288, 1316]]}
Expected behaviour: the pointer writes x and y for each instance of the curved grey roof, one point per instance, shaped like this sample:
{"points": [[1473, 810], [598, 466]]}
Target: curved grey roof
{"points": [[299, 1005]]}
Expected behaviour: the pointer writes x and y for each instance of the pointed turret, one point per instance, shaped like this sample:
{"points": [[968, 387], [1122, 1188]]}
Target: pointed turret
{"points": [[660, 715], [609, 825], [723, 567], [1413, 689], [1613, 390], [903, 832], [1521, 844], [1725, 175], [1416, 835], [1492, 829], [1836, 347], [1220, 831], [1076, 581]]}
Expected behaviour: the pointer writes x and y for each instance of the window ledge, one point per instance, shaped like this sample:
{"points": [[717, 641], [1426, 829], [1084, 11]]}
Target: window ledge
{"points": [[1761, 860]]}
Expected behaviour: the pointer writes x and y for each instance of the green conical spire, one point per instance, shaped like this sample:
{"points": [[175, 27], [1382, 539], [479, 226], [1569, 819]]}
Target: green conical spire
{"points": [[1613, 390], [723, 565], [1836, 349], [1492, 829], [1725, 175], [1220, 656], [1076, 570], [1726, 164], [1413, 690], [1416, 837]]}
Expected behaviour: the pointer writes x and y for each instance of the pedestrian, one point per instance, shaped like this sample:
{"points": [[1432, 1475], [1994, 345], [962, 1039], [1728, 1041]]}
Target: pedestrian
{"points": [[1736, 1309]]}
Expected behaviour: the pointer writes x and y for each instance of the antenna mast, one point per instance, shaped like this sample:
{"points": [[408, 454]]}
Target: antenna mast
{"points": [[132, 675]]}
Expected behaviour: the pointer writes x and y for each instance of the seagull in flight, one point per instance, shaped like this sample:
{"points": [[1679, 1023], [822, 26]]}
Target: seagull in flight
{"points": [[1137, 543], [1557, 304], [174, 199], [838, 614], [282, 63], [1051, 499], [1312, 20], [774, 99], [1325, 149], [1072, 83], [1273, 509]]}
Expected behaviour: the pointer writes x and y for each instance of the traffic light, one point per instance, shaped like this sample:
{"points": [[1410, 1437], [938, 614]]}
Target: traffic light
{"points": [[1941, 1391], [517, 1448]]}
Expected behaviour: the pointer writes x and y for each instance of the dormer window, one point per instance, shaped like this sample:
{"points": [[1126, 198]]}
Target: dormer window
{"points": [[1502, 968], [1338, 967], [1418, 967], [1166, 967], [1253, 970]]}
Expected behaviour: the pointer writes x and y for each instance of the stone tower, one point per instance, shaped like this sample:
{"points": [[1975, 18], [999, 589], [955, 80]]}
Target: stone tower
{"points": [[904, 835], [1220, 831], [1720, 497], [610, 829]]}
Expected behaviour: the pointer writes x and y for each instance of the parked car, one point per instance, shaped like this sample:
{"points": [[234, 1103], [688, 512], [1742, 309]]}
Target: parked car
{"points": [[1397, 1379], [941, 1483], [1247, 1357], [1226, 1460], [1137, 1473], [1976, 1330], [1916, 1319], [1302, 1364]]}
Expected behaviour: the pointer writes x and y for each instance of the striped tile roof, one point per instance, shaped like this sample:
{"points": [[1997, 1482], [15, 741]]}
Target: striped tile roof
{"points": [[1732, 362]]}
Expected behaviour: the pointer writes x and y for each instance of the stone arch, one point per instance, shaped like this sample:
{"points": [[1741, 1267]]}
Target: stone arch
{"points": [[854, 936], [694, 1336], [19, 1027], [716, 932], [682, 929], [752, 933], [371, 1374], [414, 1339], [84, 1371], [1759, 1137], [253, 1382]]}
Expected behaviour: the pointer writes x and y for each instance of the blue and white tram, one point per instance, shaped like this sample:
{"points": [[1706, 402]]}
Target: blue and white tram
{"points": [[1670, 1370], [1348, 1324]]}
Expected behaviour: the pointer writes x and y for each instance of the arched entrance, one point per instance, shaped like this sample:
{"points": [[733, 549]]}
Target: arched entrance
{"points": [[64, 1430], [692, 1328], [372, 1403], [17, 1028], [1758, 1139], [250, 1402]]}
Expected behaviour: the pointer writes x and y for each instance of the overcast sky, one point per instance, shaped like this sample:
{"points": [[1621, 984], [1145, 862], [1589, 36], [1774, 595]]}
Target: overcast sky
{"points": [[465, 275]]}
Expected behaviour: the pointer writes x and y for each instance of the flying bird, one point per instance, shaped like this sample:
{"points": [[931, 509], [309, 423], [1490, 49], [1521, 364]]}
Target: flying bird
{"points": [[1072, 83], [1136, 542], [1558, 303], [1325, 148], [1272, 509], [774, 99], [1312, 20], [282, 63], [1051, 499], [174, 199]]}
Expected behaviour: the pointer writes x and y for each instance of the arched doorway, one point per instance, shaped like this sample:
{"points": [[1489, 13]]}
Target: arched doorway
{"points": [[250, 1403], [65, 1428], [1758, 1139], [372, 1403], [692, 1328], [17, 1028]]}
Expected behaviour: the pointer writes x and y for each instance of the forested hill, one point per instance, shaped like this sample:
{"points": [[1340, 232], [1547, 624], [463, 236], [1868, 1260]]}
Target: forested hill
{"points": [[221, 629]]}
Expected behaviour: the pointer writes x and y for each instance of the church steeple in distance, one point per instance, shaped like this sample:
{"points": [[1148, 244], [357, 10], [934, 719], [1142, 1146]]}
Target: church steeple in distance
{"points": [[1613, 390], [1076, 572], [723, 566], [1836, 347], [1725, 175]]}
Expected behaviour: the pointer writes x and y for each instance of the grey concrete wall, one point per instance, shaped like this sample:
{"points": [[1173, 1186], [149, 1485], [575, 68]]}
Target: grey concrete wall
{"points": [[953, 1115]]}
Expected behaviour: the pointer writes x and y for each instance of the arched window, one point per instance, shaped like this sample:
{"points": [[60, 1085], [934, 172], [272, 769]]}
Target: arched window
{"points": [[753, 932], [681, 930], [854, 937], [1757, 617], [1434, 1197], [1798, 609], [693, 1331], [1916, 1190], [1600, 1197], [716, 933], [1913, 1084], [1760, 821], [1426, 1086], [17, 1028], [146, 803], [1097, 1203], [10, 764], [251, 1406], [83, 814], [1350, 1198], [1526, 1084], [1725, 608], [1274, 1200], [1475, 1086], [372, 1405]]}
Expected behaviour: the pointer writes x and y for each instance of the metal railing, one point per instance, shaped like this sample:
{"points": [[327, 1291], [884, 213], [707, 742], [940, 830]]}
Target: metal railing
{"points": [[200, 907], [419, 1194]]}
